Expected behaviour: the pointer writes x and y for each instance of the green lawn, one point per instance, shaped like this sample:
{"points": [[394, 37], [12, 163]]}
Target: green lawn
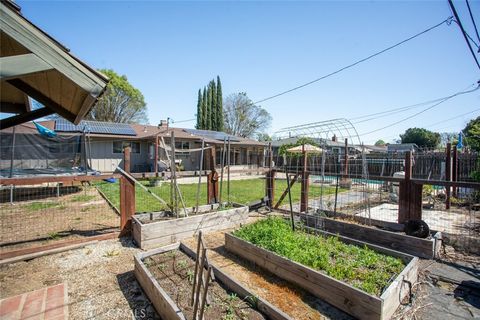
{"points": [[241, 191]]}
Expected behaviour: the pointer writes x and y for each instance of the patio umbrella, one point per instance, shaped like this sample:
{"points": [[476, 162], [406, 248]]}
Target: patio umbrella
{"points": [[308, 148]]}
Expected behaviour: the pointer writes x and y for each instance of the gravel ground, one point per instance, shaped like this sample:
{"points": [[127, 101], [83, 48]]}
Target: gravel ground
{"points": [[99, 277]]}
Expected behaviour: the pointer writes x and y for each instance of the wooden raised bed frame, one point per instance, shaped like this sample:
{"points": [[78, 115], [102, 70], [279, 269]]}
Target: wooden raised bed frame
{"points": [[166, 307], [354, 301], [164, 232], [423, 248]]}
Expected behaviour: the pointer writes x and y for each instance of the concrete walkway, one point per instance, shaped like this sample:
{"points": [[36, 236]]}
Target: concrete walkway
{"points": [[49, 303]]}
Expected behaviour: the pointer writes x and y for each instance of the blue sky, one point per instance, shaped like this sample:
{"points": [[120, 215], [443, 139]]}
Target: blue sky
{"points": [[169, 50]]}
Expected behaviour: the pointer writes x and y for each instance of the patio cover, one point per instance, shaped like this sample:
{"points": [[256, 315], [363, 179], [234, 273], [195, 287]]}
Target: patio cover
{"points": [[306, 147], [33, 64]]}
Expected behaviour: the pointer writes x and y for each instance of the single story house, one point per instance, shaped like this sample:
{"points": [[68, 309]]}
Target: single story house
{"points": [[402, 147], [330, 145], [102, 144]]}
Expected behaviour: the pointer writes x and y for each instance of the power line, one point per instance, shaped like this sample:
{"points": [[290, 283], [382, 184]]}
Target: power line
{"points": [[422, 111], [381, 114], [180, 121], [473, 21], [448, 20], [457, 18], [450, 119], [393, 111], [469, 37]]}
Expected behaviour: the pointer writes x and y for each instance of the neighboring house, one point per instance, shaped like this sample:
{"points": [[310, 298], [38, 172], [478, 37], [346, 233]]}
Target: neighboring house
{"points": [[402, 147], [372, 149], [105, 142], [332, 146]]}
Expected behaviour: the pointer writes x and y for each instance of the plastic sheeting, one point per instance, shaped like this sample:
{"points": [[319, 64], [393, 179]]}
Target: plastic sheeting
{"points": [[34, 154]]}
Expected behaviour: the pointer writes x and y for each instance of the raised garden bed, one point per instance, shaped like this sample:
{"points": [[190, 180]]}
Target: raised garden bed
{"points": [[157, 229], [165, 275], [424, 248], [337, 267], [381, 233]]}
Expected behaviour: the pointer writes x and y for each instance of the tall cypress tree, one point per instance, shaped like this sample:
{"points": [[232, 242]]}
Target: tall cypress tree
{"points": [[204, 109], [214, 106], [219, 112], [208, 115], [199, 110]]}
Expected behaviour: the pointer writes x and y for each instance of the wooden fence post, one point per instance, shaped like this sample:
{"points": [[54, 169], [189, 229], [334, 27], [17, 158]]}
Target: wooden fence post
{"points": [[455, 169], [127, 197], [155, 164], [404, 190], [448, 174], [410, 195], [212, 178], [270, 179], [305, 183]]}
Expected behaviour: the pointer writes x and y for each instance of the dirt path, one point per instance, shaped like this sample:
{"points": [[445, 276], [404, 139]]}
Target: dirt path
{"points": [[290, 299]]}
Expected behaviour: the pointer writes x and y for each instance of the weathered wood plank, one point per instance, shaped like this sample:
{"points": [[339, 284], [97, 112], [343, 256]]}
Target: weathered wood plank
{"points": [[151, 235], [424, 248], [399, 289], [164, 305], [337, 293], [167, 227], [167, 308], [180, 235]]}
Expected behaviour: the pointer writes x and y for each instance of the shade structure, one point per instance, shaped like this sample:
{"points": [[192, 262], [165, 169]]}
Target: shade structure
{"points": [[35, 66], [308, 148]]}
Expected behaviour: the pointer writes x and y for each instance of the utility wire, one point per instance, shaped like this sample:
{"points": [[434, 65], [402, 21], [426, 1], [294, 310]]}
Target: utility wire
{"points": [[473, 21], [422, 111], [446, 21], [382, 114], [180, 121], [469, 37], [463, 32], [450, 119]]}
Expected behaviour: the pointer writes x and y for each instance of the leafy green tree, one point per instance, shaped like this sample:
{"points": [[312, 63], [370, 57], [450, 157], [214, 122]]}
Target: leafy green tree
{"points": [[219, 106], [380, 142], [472, 134], [421, 137], [121, 102], [243, 118], [199, 110], [264, 137]]}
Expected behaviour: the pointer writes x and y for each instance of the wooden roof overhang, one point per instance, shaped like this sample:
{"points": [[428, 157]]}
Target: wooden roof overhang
{"points": [[33, 64]]}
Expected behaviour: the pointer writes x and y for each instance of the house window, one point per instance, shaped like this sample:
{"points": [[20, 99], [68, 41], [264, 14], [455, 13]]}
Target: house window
{"points": [[182, 145], [118, 146]]}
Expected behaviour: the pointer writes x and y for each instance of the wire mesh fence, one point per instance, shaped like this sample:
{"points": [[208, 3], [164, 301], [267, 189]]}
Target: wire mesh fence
{"points": [[37, 214], [359, 186]]}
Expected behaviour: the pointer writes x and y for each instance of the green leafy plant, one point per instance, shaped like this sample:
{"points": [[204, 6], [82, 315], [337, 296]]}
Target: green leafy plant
{"points": [[190, 276], [182, 264], [54, 235], [360, 267]]}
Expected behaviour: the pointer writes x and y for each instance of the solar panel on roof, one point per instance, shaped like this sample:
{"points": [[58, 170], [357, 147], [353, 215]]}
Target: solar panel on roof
{"points": [[125, 129], [215, 135]]}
